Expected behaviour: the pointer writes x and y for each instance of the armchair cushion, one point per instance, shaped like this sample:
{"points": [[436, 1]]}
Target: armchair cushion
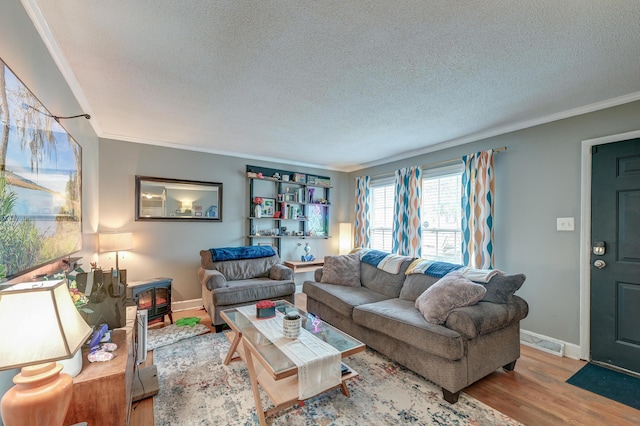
{"points": [[280, 272]]}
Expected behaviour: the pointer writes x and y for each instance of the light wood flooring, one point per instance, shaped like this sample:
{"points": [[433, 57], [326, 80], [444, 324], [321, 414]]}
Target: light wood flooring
{"points": [[535, 393]]}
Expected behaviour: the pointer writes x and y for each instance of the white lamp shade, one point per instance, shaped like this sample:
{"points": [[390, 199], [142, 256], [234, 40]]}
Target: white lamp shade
{"points": [[345, 242], [39, 323], [117, 241]]}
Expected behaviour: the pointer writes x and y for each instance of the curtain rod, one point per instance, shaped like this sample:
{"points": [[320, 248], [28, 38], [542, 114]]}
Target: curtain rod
{"points": [[432, 165]]}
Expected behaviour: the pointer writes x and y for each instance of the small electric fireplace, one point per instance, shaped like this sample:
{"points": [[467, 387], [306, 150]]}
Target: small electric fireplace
{"points": [[154, 295]]}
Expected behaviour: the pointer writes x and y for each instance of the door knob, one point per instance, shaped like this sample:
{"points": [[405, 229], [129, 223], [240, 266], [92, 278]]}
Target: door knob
{"points": [[599, 264]]}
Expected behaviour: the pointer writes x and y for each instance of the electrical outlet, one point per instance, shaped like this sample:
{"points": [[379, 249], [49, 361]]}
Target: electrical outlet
{"points": [[565, 224]]}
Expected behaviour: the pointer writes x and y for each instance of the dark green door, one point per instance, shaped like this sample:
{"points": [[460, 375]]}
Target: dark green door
{"points": [[615, 275]]}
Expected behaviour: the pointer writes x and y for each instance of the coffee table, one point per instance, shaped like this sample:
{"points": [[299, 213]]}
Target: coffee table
{"points": [[274, 371]]}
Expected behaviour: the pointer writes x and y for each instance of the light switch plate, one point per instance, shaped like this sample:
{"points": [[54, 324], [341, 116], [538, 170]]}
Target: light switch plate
{"points": [[565, 224]]}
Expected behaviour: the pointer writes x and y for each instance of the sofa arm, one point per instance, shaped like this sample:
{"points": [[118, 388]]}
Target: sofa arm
{"points": [[212, 279], [484, 317], [317, 275], [280, 272]]}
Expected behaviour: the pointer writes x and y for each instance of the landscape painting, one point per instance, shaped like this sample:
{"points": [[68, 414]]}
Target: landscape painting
{"points": [[40, 182]]}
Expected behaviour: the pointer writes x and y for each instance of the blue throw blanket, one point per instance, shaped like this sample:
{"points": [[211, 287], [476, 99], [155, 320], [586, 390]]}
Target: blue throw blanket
{"points": [[387, 262], [238, 253], [432, 268]]}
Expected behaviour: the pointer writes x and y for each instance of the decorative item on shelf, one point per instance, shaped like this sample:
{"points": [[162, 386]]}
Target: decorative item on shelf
{"points": [[311, 191], [53, 330], [276, 175], [257, 209], [306, 256], [300, 177], [285, 178], [265, 309], [291, 324]]}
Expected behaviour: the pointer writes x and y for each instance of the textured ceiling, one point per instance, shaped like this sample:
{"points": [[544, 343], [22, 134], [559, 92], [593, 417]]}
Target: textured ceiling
{"points": [[338, 84]]}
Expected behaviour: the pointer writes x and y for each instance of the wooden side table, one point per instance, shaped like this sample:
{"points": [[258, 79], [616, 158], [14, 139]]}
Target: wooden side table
{"points": [[102, 390], [299, 266]]}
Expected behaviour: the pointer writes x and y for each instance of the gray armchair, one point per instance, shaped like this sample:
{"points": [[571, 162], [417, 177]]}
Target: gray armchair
{"points": [[230, 283]]}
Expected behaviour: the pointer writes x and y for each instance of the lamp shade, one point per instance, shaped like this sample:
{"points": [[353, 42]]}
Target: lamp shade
{"points": [[345, 242], [39, 323], [116, 241]]}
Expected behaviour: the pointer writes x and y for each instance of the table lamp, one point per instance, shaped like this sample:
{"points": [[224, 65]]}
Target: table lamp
{"points": [[116, 241], [39, 324]]}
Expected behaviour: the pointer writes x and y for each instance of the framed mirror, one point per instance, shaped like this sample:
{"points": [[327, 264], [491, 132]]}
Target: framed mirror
{"points": [[177, 199]]}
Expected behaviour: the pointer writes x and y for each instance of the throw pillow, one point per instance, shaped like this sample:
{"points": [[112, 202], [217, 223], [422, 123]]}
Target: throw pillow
{"points": [[450, 292], [342, 270], [501, 288]]}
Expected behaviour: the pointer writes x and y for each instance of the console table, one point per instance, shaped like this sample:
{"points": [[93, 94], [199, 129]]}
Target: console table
{"points": [[102, 390]]}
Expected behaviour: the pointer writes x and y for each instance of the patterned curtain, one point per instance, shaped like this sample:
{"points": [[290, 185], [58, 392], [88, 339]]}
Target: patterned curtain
{"points": [[478, 194], [362, 224], [407, 229]]}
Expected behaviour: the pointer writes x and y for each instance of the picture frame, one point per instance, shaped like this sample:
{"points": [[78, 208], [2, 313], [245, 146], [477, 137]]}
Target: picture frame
{"points": [[311, 180], [289, 198], [268, 207]]}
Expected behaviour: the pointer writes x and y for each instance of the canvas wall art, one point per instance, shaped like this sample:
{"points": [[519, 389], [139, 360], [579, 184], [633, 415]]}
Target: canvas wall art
{"points": [[40, 182]]}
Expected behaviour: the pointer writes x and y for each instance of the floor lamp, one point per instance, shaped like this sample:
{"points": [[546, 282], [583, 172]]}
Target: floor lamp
{"points": [[39, 324]]}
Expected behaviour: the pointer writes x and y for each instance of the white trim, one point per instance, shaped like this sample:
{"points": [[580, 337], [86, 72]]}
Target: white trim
{"points": [[585, 236], [184, 305]]}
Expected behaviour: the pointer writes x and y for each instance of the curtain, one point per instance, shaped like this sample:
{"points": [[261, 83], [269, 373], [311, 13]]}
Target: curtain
{"points": [[478, 194], [362, 223], [407, 229]]}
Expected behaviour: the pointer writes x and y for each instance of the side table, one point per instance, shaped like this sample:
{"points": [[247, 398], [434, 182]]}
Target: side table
{"points": [[299, 266], [102, 390]]}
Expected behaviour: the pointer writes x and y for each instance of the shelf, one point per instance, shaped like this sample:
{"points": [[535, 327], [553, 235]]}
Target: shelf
{"points": [[302, 237], [291, 182]]}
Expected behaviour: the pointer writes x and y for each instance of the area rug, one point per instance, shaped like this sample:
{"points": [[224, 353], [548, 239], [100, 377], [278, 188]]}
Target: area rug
{"points": [[611, 384], [172, 333], [197, 389]]}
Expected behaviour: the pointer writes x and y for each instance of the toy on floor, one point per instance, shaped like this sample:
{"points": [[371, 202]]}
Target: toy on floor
{"points": [[190, 321]]}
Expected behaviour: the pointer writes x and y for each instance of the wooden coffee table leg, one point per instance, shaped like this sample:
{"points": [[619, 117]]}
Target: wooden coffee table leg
{"points": [[254, 385], [345, 389], [232, 349]]}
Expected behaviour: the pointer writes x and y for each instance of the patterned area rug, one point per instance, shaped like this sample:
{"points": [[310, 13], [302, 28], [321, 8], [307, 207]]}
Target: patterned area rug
{"points": [[173, 333], [197, 389]]}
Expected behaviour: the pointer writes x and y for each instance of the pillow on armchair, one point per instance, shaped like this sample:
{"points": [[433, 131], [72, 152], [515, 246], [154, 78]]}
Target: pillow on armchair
{"points": [[450, 292]]}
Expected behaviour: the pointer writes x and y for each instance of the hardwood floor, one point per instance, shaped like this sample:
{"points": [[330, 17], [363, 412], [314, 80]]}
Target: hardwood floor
{"points": [[535, 393]]}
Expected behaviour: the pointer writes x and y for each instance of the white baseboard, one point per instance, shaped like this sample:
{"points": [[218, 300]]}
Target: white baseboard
{"points": [[549, 344], [186, 305]]}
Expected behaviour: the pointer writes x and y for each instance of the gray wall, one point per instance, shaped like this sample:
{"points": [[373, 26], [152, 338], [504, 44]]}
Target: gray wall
{"points": [[172, 248], [538, 180]]}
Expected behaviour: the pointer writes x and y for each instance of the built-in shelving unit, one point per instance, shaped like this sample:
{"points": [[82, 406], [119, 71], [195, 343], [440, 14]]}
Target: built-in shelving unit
{"points": [[296, 206]]}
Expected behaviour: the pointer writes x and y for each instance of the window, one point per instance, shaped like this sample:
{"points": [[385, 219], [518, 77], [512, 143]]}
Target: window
{"points": [[382, 214], [442, 214]]}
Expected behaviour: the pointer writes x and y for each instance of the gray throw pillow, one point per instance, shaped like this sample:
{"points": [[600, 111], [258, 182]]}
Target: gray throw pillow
{"points": [[501, 288], [450, 292], [342, 270]]}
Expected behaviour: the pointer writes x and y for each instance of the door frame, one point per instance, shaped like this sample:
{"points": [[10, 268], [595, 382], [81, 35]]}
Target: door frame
{"points": [[585, 236]]}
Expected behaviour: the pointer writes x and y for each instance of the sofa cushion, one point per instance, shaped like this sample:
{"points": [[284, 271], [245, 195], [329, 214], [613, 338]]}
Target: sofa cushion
{"points": [[239, 269], [415, 285], [340, 298], [342, 270], [485, 317], [450, 292], [383, 282], [400, 320], [244, 291], [500, 288]]}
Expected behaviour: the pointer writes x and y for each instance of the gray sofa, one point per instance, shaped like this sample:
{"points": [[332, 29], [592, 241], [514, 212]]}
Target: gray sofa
{"points": [[230, 283], [473, 342]]}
